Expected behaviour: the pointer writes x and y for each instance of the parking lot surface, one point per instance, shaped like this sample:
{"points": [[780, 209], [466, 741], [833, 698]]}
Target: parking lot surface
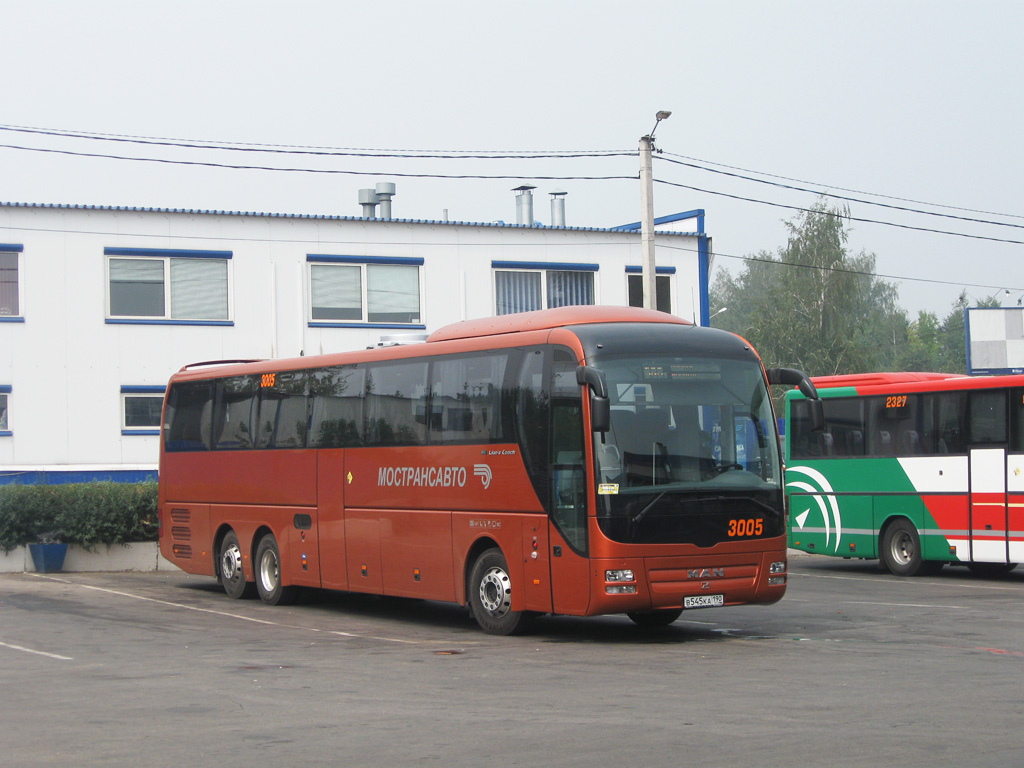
{"points": [[853, 667]]}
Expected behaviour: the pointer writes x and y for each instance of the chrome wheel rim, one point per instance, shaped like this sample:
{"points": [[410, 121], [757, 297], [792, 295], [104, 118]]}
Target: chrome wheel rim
{"points": [[270, 571], [231, 563], [496, 592]]}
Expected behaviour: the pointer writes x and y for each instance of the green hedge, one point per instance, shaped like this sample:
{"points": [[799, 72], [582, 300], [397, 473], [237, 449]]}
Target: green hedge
{"points": [[78, 513]]}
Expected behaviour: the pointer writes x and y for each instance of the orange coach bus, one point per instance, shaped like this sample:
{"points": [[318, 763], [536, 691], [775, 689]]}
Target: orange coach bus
{"points": [[581, 461]]}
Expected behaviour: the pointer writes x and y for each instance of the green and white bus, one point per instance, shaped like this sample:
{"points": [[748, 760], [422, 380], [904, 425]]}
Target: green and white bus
{"points": [[915, 469]]}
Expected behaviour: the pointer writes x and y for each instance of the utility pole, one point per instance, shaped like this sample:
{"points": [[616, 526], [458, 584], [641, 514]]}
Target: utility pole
{"points": [[647, 214]]}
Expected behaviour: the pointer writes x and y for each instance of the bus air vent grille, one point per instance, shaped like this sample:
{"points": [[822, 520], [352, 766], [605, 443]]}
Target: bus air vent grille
{"points": [[182, 550], [180, 515]]}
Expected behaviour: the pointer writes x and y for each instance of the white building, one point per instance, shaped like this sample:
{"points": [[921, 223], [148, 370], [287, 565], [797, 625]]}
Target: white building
{"points": [[98, 306]]}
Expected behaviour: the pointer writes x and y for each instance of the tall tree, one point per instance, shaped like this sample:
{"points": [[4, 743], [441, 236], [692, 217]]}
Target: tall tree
{"points": [[814, 305]]}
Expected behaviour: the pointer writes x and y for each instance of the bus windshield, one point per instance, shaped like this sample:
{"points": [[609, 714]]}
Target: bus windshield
{"points": [[691, 450]]}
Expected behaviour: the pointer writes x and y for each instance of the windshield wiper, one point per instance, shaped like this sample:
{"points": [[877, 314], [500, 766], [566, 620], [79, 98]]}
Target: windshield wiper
{"points": [[640, 515]]}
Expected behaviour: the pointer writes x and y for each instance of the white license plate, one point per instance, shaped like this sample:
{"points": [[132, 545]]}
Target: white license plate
{"points": [[704, 601]]}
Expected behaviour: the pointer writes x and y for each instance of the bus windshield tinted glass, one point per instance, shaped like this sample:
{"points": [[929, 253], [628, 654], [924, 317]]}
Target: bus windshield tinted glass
{"points": [[691, 438]]}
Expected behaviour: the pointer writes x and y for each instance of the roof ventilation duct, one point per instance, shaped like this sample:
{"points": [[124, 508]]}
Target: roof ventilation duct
{"points": [[385, 191], [524, 205], [368, 199], [558, 208]]}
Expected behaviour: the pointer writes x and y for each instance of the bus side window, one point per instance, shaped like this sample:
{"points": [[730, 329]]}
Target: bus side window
{"points": [[1017, 420], [396, 404], [569, 488], [234, 412], [988, 417], [187, 425], [531, 419], [283, 419], [336, 418]]}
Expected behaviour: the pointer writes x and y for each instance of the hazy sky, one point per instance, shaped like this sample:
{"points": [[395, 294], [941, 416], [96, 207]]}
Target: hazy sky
{"points": [[920, 101]]}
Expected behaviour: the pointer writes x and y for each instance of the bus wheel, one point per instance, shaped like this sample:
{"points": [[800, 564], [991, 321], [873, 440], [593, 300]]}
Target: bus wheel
{"points": [[651, 619], [268, 574], [232, 576], [901, 550], [490, 596]]}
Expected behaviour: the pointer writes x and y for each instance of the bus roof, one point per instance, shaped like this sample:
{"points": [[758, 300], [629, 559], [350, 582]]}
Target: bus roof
{"points": [[522, 322], [880, 379], [546, 319]]}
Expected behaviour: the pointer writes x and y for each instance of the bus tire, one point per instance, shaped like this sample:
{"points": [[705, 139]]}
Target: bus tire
{"points": [[653, 619], [268, 574], [230, 570], [490, 596], [900, 551]]}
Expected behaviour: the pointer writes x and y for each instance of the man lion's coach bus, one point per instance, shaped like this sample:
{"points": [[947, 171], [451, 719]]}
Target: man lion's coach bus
{"points": [[916, 469], [581, 461]]}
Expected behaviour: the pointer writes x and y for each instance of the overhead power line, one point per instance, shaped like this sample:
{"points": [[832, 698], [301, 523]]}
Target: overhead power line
{"points": [[847, 189], [293, 149], [339, 171], [890, 206], [842, 270], [841, 215]]}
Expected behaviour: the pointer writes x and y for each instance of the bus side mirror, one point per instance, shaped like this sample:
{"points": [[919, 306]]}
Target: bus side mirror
{"points": [[600, 405], [794, 378]]}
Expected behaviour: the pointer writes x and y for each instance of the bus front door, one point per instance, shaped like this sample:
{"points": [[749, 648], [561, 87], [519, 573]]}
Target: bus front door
{"points": [[988, 519]]}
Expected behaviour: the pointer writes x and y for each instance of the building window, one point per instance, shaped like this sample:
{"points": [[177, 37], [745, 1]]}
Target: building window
{"points": [[170, 285], [526, 286], [141, 408], [662, 287], [347, 290], [5, 410], [10, 288]]}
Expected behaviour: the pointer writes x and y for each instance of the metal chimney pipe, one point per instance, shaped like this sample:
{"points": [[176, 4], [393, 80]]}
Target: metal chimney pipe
{"points": [[524, 205], [385, 191], [368, 199], [558, 208]]}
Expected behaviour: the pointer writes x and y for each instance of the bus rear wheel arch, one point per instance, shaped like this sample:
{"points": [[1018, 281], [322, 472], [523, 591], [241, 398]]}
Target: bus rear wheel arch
{"points": [[490, 596], [268, 574], [900, 550]]}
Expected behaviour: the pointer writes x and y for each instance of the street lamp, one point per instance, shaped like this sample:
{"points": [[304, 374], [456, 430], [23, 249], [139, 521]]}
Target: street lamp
{"points": [[647, 211], [717, 313]]}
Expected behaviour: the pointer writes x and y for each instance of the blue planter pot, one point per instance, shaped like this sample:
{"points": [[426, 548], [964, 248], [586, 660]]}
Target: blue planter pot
{"points": [[48, 558]]}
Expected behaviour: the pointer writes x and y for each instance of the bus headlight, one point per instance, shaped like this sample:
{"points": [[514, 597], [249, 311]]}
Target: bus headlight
{"points": [[779, 567], [776, 581], [620, 589], [623, 575]]}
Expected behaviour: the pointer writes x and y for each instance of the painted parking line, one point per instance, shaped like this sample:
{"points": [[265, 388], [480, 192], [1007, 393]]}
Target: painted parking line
{"points": [[38, 653], [228, 614]]}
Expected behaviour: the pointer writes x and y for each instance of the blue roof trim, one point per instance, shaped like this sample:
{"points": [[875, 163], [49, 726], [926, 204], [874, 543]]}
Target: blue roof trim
{"points": [[325, 217], [5, 389], [143, 389], [559, 265], [329, 259], [12, 319], [6, 433], [404, 326], [140, 431], [657, 270], [11, 248], [180, 253], [696, 213], [142, 321]]}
